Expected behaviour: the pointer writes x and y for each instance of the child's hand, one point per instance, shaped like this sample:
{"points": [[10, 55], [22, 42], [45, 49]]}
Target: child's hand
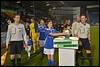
{"points": [[64, 33]]}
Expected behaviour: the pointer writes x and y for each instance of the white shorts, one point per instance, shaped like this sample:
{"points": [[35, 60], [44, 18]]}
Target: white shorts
{"points": [[41, 43], [48, 51]]}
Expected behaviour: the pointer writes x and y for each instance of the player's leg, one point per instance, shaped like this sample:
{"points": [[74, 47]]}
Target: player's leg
{"points": [[41, 48], [12, 57], [12, 53], [42, 54], [90, 58], [19, 47], [34, 42], [79, 51], [88, 51], [18, 59], [29, 49], [37, 40], [26, 49], [46, 51], [41, 43], [34, 46], [50, 57]]}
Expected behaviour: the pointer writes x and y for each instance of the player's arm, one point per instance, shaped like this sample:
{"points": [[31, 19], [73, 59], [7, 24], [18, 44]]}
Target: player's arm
{"points": [[89, 34], [8, 36], [58, 34], [89, 37], [77, 32], [24, 35], [73, 29]]}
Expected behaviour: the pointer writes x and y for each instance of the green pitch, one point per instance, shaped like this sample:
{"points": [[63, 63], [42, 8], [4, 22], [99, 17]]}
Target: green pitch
{"points": [[95, 44], [36, 58]]}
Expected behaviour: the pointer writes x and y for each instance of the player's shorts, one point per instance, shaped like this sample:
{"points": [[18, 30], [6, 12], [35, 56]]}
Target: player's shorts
{"points": [[16, 47], [41, 43], [48, 51], [85, 43]]}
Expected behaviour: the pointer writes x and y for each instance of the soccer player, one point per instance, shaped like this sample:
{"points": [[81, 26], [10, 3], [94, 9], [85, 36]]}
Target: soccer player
{"points": [[28, 46], [15, 35], [34, 34], [41, 31], [50, 33], [84, 37]]}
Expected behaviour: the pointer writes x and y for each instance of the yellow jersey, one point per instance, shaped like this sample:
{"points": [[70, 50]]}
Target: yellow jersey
{"points": [[32, 28]]}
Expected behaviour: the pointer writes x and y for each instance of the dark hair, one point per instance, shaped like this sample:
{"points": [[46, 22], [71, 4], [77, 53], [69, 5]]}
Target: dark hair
{"points": [[17, 15], [65, 20], [84, 15], [49, 21]]}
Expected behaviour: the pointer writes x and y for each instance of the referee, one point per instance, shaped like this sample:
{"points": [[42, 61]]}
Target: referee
{"points": [[15, 36]]}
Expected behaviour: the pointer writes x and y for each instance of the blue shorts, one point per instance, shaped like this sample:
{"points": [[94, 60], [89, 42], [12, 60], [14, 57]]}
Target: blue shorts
{"points": [[16, 47], [85, 43]]}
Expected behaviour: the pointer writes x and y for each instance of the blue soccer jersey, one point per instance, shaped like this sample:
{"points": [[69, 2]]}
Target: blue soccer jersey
{"points": [[29, 42], [41, 31], [49, 39]]}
